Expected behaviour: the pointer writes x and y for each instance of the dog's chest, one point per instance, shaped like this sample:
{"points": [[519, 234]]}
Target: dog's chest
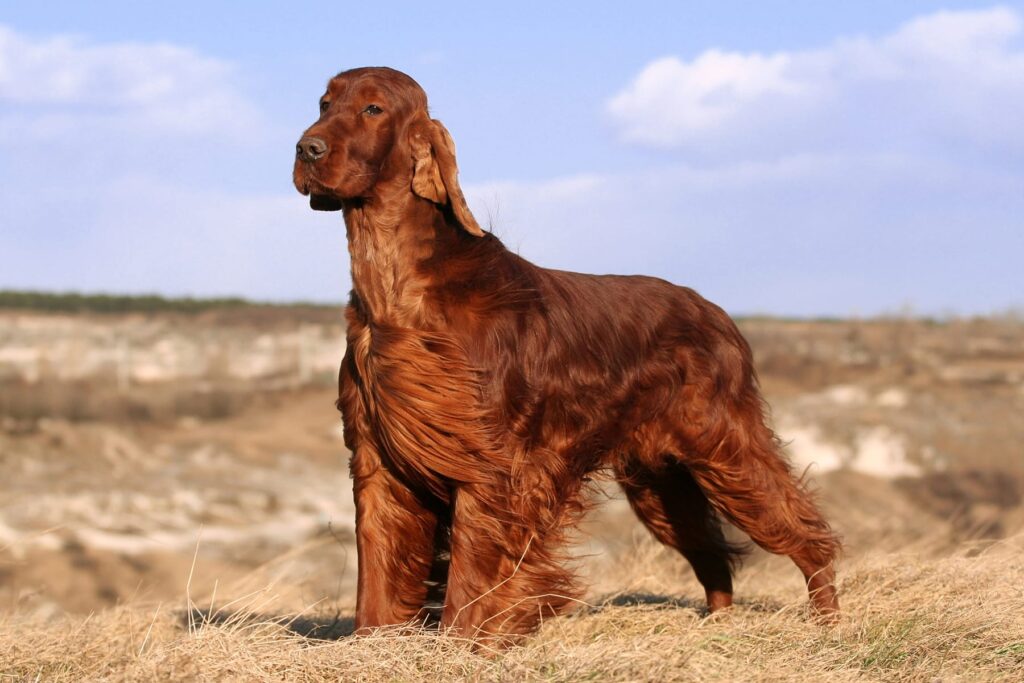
{"points": [[423, 400]]}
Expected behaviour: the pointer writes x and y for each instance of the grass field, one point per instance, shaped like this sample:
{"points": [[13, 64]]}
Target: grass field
{"points": [[906, 617], [175, 505]]}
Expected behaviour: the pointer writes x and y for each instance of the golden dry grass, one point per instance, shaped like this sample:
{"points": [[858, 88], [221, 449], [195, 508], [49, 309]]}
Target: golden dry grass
{"points": [[906, 617]]}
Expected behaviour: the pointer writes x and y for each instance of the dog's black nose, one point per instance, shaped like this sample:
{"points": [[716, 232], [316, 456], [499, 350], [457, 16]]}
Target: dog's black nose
{"points": [[310, 149]]}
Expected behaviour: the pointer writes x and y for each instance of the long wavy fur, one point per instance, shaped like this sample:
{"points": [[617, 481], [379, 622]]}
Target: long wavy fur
{"points": [[480, 392]]}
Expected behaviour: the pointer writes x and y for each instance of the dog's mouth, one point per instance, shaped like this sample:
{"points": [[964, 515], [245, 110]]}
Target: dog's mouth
{"points": [[324, 202], [320, 197]]}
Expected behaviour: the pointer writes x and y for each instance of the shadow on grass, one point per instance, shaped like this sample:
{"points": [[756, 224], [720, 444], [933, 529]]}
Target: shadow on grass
{"points": [[649, 600], [337, 627], [314, 628], [640, 599]]}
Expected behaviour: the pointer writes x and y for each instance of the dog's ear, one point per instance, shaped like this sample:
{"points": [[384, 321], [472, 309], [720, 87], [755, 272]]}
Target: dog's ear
{"points": [[435, 173], [322, 202]]}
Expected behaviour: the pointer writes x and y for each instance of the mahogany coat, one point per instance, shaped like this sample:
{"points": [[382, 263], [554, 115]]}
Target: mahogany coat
{"points": [[479, 392]]}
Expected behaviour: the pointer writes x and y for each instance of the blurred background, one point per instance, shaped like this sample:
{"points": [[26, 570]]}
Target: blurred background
{"points": [[848, 181]]}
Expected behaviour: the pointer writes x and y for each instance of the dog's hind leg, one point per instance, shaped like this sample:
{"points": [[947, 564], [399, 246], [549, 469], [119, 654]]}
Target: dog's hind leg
{"points": [[736, 461], [675, 510]]}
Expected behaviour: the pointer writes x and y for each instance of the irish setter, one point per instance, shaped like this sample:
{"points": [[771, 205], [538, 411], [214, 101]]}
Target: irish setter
{"points": [[480, 392]]}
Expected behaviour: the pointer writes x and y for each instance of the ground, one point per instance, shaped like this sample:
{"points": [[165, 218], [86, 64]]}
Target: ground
{"points": [[175, 504]]}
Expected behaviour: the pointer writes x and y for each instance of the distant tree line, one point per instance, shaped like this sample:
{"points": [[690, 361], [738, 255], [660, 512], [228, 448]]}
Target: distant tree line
{"points": [[75, 302]]}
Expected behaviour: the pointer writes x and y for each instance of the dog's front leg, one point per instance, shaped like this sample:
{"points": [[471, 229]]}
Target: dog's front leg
{"points": [[395, 535], [505, 575], [395, 530]]}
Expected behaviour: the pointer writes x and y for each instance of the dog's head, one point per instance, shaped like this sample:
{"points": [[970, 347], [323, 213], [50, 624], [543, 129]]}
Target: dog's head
{"points": [[374, 129]]}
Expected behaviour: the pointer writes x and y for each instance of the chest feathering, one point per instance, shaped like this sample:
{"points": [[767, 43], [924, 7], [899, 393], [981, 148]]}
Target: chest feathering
{"points": [[424, 397]]}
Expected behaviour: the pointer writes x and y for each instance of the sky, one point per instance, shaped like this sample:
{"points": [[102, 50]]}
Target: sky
{"points": [[786, 157]]}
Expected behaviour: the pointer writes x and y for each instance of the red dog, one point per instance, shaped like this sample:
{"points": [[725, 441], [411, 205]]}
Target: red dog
{"points": [[479, 392]]}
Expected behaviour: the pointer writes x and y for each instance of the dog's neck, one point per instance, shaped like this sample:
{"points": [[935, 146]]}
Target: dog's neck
{"points": [[388, 237]]}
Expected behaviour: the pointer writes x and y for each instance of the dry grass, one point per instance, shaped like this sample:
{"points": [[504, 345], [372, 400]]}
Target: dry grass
{"points": [[905, 618]]}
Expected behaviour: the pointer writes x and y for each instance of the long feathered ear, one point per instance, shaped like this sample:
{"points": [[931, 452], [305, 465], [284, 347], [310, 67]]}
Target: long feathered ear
{"points": [[435, 174]]}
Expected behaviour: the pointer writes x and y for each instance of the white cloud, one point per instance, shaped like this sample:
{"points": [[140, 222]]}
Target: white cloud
{"points": [[671, 98], [66, 85], [949, 77], [956, 37]]}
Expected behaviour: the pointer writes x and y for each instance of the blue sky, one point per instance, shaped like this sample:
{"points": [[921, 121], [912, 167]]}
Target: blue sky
{"points": [[797, 158]]}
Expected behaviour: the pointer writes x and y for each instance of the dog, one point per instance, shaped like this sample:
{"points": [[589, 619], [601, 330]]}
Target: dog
{"points": [[480, 392]]}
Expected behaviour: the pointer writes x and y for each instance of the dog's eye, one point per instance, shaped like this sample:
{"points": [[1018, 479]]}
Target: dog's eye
{"points": [[373, 110], [324, 106]]}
